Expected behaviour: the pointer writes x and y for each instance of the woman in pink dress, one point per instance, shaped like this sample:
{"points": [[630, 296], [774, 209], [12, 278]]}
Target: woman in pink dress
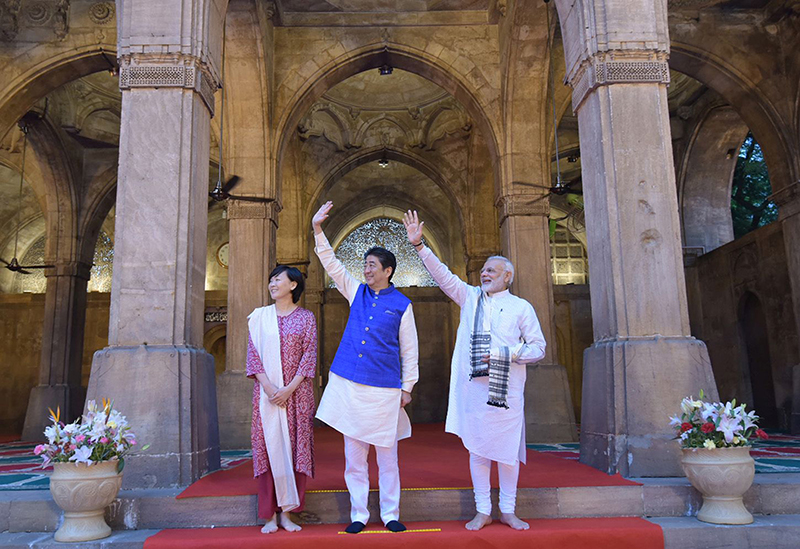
{"points": [[297, 328]]}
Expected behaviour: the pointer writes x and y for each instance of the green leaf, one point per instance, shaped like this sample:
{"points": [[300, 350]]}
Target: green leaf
{"points": [[702, 394], [120, 465]]}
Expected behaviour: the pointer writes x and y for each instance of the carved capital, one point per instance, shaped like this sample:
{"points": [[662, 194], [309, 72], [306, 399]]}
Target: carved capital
{"points": [[240, 209], [788, 200], [523, 204], [618, 67], [147, 70], [101, 12]]}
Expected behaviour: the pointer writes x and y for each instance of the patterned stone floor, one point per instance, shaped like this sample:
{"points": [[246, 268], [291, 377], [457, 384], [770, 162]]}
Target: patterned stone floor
{"points": [[20, 469]]}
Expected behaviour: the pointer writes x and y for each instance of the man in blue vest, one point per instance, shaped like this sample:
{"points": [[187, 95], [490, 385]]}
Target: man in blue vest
{"points": [[371, 377]]}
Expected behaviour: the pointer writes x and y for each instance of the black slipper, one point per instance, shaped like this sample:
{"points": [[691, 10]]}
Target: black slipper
{"points": [[356, 527], [395, 526]]}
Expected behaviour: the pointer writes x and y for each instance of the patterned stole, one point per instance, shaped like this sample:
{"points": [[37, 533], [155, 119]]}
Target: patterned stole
{"points": [[498, 368]]}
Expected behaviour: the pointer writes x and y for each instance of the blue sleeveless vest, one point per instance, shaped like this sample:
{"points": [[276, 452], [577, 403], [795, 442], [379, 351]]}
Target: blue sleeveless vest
{"points": [[369, 352]]}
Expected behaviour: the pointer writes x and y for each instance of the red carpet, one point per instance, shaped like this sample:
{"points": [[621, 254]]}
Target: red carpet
{"points": [[431, 458], [585, 533]]}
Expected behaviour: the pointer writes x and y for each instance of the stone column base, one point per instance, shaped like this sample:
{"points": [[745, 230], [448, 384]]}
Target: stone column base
{"points": [[234, 397], [68, 399], [630, 389], [168, 394], [549, 416]]}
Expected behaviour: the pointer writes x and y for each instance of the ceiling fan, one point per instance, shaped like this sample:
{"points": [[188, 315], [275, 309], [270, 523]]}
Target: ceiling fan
{"points": [[14, 265], [223, 191]]}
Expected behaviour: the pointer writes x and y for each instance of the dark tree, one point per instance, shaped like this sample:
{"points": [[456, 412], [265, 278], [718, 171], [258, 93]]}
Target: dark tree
{"points": [[750, 207]]}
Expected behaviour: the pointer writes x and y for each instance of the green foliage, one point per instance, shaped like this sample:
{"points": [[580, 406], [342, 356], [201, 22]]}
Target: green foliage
{"points": [[750, 207]]}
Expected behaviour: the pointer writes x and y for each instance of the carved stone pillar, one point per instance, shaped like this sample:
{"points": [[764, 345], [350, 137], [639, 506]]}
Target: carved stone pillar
{"points": [[252, 228], [525, 233], [155, 368], [62, 348], [643, 359], [788, 201]]}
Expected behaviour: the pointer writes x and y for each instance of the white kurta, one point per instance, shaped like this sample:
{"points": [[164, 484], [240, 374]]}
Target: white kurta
{"points": [[488, 431], [366, 413]]}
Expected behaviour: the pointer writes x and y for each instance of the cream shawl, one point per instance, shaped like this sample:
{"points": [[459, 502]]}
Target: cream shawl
{"points": [[263, 325]]}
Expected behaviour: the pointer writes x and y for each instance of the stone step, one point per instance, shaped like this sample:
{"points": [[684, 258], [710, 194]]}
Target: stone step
{"points": [[34, 511], [773, 532]]}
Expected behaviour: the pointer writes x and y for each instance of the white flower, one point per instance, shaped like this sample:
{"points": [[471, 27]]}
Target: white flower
{"points": [[730, 427], [687, 405], [81, 455], [674, 421], [72, 428], [51, 432], [750, 419], [736, 440], [709, 444], [709, 412], [684, 435]]}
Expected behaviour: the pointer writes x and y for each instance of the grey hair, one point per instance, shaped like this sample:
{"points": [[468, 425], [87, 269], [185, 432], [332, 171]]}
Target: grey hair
{"points": [[506, 264]]}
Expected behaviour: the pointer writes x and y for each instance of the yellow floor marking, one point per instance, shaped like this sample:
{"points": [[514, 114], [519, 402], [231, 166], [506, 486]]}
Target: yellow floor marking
{"points": [[403, 532]]}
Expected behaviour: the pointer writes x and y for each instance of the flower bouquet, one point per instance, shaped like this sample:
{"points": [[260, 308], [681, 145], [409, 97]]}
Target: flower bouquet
{"points": [[102, 434], [715, 425], [715, 440], [87, 457]]}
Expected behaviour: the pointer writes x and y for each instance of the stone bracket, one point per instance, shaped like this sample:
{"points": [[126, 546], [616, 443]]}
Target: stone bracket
{"points": [[174, 71], [788, 200], [603, 69], [516, 204]]}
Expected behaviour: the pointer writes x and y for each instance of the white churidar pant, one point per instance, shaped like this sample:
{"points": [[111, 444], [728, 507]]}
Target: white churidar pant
{"points": [[356, 476], [479, 469]]}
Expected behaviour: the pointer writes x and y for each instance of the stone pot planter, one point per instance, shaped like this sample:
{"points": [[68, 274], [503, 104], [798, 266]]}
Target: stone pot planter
{"points": [[83, 492], [722, 476]]}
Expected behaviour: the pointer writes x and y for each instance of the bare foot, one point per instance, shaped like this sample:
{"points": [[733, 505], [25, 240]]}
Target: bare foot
{"points": [[478, 522], [271, 525], [287, 524], [512, 520]]}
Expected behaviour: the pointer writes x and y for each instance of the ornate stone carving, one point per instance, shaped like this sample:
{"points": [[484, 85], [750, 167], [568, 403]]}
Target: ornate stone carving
{"points": [[9, 19], [101, 12], [270, 9], [38, 14], [153, 71], [349, 127], [220, 315], [239, 209], [603, 69], [523, 204], [60, 18]]}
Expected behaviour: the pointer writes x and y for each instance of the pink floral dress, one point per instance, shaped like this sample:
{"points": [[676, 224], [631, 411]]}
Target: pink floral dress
{"points": [[298, 333]]}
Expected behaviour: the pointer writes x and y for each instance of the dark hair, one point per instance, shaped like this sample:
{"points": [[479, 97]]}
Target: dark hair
{"points": [[294, 275], [386, 258]]}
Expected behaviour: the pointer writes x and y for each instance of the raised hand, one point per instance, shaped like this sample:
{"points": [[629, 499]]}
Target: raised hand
{"points": [[320, 216], [413, 227]]}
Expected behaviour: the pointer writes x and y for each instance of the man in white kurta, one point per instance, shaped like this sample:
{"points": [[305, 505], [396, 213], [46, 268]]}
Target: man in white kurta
{"points": [[490, 433], [371, 378]]}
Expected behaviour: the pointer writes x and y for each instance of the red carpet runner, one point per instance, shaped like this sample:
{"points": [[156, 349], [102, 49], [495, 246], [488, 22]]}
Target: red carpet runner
{"points": [[585, 533], [431, 458]]}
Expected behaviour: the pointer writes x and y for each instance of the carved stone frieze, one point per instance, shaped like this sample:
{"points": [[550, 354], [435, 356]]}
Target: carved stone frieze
{"points": [[240, 209], [348, 127], [608, 68], [40, 17], [523, 204], [170, 71], [101, 12]]}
